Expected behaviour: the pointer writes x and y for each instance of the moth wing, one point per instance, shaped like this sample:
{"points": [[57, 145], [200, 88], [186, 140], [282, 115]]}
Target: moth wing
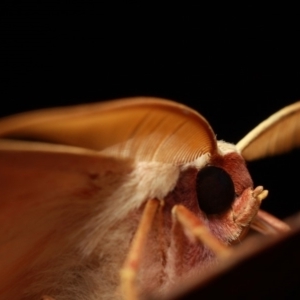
{"points": [[143, 129], [48, 195], [278, 134]]}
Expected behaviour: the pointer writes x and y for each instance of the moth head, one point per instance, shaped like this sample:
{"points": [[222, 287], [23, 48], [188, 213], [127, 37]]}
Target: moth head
{"points": [[218, 189]]}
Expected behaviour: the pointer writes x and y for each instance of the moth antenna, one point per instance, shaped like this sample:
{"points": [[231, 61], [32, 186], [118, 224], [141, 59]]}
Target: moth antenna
{"points": [[267, 224], [195, 228], [133, 259]]}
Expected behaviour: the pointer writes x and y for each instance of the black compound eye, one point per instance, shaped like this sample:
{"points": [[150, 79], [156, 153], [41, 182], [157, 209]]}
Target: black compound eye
{"points": [[215, 190]]}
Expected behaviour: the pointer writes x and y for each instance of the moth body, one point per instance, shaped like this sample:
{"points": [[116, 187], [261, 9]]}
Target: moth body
{"points": [[73, 196]]}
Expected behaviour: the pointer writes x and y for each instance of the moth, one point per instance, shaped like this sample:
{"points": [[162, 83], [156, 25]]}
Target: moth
{"points": [[126, 198]]}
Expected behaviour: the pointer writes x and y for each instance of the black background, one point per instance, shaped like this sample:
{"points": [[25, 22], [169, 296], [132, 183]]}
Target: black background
{"points": [[235, 65]]}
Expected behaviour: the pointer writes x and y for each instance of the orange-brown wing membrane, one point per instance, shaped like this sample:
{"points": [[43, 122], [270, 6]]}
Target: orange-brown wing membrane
{"points": [[144, 129], [278, 134]]}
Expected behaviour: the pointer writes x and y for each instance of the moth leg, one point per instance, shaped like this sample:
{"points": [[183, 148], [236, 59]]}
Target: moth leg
{"points": [[243, 215], [261, 221], [267, 224], [195, 228], [130, 267]]}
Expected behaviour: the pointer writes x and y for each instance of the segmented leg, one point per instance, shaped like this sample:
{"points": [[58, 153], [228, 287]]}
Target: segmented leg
{"points": [[264, 222], [132, 262], [268, 224], [243, 213], [195, 228]]}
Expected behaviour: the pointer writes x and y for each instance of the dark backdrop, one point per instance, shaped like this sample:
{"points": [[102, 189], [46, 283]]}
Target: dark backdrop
{"points": [[235, 65]]}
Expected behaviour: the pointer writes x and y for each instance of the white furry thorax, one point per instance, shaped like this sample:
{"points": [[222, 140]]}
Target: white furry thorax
{"points": [[226, 148]]}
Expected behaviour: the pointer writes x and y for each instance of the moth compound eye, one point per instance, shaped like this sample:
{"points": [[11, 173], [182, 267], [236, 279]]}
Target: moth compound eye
{"points": [[215, 190]]}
